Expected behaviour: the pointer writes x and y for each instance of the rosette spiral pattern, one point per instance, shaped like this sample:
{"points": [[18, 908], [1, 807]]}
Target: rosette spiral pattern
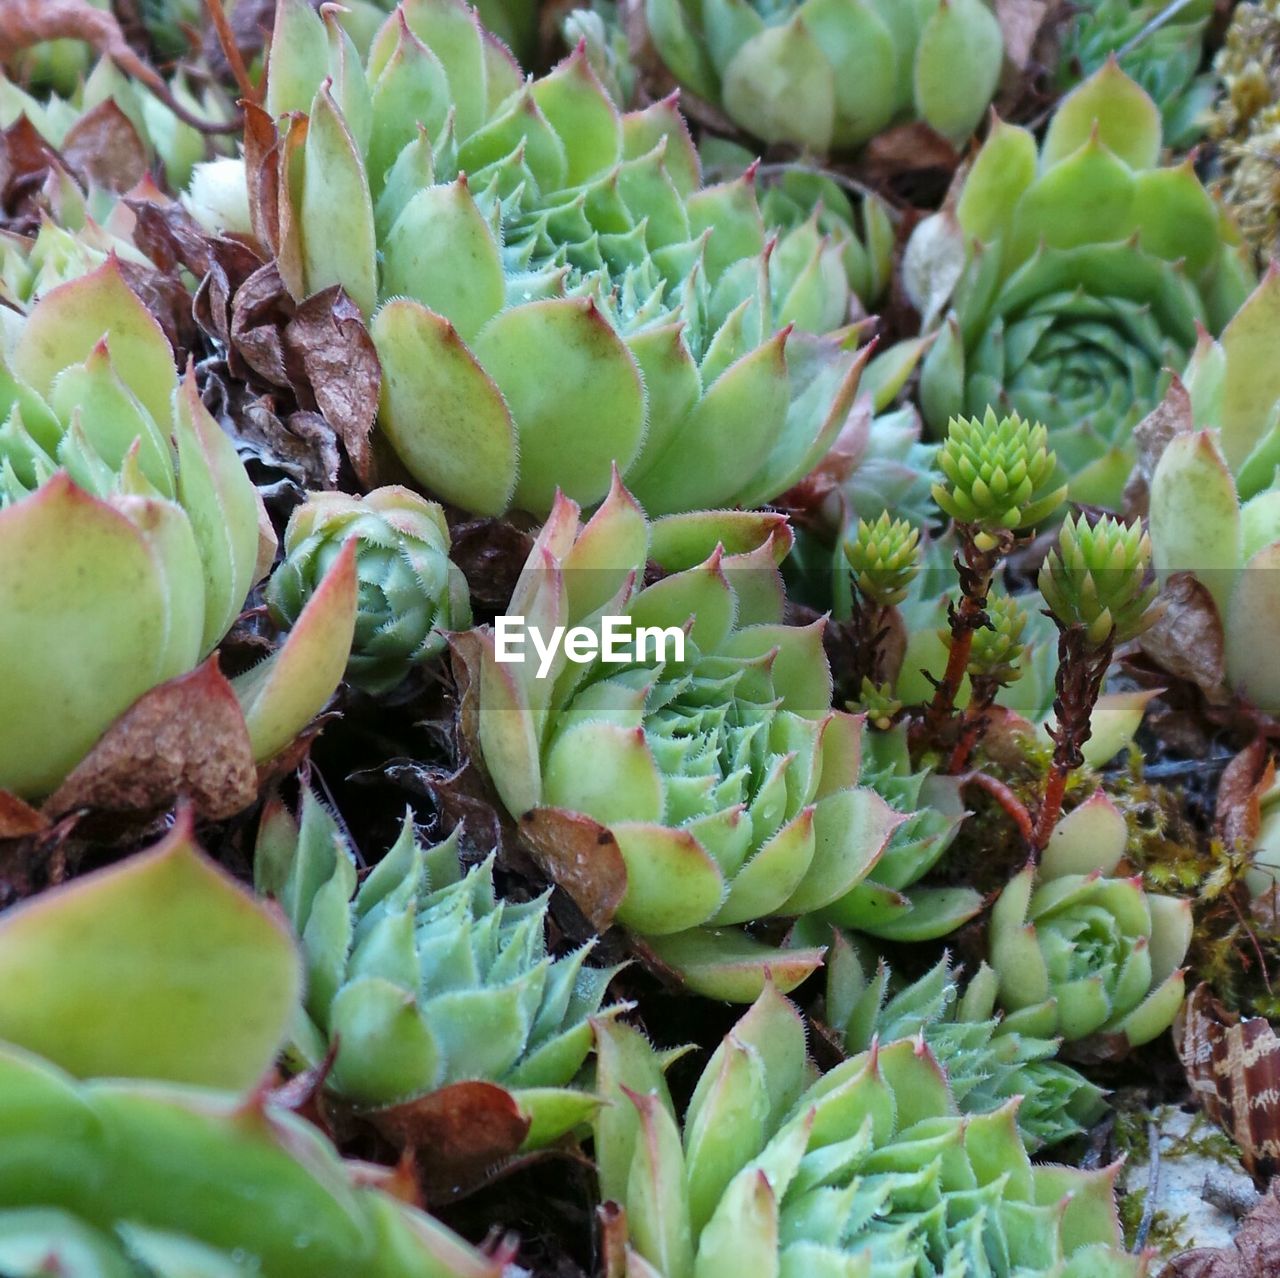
{"points": [[1081, 953], [424, 977], [408, 591], [552, 289], [827, 75], [871, 1170], [713, 786], [1086, 271]]}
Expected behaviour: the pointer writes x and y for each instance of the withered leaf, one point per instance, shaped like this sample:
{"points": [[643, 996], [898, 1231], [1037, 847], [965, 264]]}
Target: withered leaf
{"points": [[260, 308], [1253, 1253], [1170, 418], [907, 148], [1238, 813], [328, 340], [1020, 22], [184, 737], [105, 148], [1187, 639], [1233, 1067], [462, 1131], [18, 818], [581, 856]]}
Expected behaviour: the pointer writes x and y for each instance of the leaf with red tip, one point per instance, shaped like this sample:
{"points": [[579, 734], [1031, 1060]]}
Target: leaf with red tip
{"points": [[159, 967]]}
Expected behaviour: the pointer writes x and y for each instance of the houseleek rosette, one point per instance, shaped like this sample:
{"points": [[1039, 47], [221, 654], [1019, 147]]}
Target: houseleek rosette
{"points": [[986, 1065], [889, 902], [142, 1009], [1214, 499], [1080, 953], [871, 1169], [408, 591], [122, 497], [829, 75], [496, 229], [1161, 50], [681, 797], [1087, 269], [421, 977]]}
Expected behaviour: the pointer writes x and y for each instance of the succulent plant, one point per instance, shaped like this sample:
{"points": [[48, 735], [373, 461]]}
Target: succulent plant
{"points": [[121, 495], [421, 977], [998, 648], [1162, 49], [888, 902], [884, 558], [1080, 953], [999, 474], [704, 765], [985, 1066], [877, 702], [162, 975], [829, 77], [494, 229], [870, 1170], [1086, 269], [1098, 578], [408, 590]]}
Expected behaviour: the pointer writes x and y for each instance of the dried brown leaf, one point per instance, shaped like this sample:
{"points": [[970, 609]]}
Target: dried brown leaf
{"points": [[1170, 418], [18, 818], [1253, 1253], [907, 148], [185, 737], [1238, 813], [581, 856], [329, 341], [463, 1130], [1187, 638], [1020, 23], [104, 147]]}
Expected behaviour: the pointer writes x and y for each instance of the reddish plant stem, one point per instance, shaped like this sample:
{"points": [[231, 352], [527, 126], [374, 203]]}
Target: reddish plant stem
{"points": [[1013, 806], [975, 567], [1081, 667], [973, 726], [231, 51]]}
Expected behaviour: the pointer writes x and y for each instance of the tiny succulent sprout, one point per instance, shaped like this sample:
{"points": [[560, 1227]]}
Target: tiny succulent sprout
{"points": [[1098, 579], [998, 475], [1080, 952], [998, 649], [884, 557], [422, 977], [877, 702], [408, 591]]}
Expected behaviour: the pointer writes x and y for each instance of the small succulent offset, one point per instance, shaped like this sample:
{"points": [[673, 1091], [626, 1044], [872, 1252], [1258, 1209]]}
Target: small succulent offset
{"points": [[884, 558], [1082, 272], [709, 789], [423, 977], [999, 478], [830, 76], [120, 493], [1080, 953], [986, 1065], [1159, 45], [494, 229], [143, 1006], [408, 591], [1098, 586], [999, 475], [871, 1169]]}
